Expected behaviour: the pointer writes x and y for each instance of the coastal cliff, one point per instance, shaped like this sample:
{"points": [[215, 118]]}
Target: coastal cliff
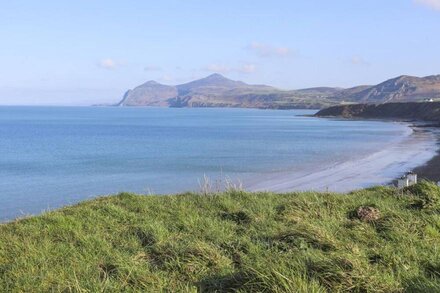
{"points": [[426, 111]]}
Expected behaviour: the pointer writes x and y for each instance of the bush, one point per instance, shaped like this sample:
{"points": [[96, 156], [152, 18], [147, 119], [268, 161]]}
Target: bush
{"points": [[427, 195]]}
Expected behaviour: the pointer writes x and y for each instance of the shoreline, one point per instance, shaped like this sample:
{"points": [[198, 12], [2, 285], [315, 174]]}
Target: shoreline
{"points": [[431, 169], [355, 174], [419, 152]]}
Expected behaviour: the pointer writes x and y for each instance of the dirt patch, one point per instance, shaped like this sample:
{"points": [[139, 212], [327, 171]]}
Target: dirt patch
{"points": [[367, 214]]}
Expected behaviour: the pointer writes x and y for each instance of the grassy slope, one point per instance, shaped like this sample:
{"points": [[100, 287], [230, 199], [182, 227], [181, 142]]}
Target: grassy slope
{"points": [[304, 242]]}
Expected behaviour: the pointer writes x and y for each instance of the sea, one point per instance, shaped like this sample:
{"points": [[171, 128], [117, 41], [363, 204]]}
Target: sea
{"points": [[56, 156]]}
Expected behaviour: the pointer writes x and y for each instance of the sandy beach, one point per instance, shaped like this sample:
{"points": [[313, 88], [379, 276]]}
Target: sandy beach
{"points": [[431, 169], [417, 151]]}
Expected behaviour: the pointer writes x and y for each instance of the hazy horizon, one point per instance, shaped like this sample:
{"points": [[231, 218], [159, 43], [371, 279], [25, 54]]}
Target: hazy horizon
{"points": [[85, 53]]}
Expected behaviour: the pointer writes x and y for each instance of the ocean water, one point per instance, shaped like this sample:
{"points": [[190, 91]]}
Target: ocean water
{"points": [[53, 156]]}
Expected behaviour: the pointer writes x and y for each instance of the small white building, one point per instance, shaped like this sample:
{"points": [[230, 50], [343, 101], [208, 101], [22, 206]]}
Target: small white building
{"points": [[408, 179], [412, 178], [402, 182]]}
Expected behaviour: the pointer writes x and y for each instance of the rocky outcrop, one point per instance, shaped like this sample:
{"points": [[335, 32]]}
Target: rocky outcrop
{"points": [[428, 111]]}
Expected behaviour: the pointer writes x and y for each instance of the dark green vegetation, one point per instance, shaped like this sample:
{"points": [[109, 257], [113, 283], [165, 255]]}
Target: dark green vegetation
{"points": [[298, 242], [218, 91], [428, 111]]}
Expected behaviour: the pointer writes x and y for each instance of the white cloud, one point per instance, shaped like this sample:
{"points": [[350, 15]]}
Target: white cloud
{"points": [[433, 4], [265, 50], [152, 68], [247, 68], [224, 69], [358, 60], [107, 63]]}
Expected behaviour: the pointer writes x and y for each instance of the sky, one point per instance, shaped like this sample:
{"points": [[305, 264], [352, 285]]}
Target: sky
{"points": [[89, 51]]}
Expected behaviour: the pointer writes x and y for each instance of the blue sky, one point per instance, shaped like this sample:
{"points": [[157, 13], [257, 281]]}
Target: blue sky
{"points": [[83, 52]]}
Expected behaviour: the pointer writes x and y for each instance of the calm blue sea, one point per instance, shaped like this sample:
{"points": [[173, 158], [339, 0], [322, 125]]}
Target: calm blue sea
{"points": [[53, 156]]}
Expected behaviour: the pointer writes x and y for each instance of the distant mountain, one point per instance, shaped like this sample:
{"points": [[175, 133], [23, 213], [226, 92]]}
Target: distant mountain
{"points": [[150, 93], [214, 83], [323, 91], [218, 91], [400, 89]]}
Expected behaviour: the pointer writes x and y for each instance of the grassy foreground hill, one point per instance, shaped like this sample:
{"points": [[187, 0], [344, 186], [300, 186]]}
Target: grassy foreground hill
{"points": [[373, 240]]}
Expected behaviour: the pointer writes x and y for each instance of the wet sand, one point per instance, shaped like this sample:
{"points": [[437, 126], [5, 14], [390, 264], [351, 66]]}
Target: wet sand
{"points": [[380, 168], [430, 170]]}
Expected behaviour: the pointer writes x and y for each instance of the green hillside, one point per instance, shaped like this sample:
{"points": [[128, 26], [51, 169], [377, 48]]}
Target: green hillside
{"points": [[379, 239]]}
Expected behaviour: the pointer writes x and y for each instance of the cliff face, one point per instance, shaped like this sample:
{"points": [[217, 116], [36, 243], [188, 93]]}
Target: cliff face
{"points": [[429, 111]]}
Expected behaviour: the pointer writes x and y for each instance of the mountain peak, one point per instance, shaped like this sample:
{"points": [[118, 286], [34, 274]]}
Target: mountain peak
{"points": [[406, 77], [215, 76], [218, 78], [213, 80]]}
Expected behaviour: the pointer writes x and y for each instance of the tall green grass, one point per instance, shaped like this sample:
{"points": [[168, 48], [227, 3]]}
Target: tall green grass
{"points": [[232, 241]]}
